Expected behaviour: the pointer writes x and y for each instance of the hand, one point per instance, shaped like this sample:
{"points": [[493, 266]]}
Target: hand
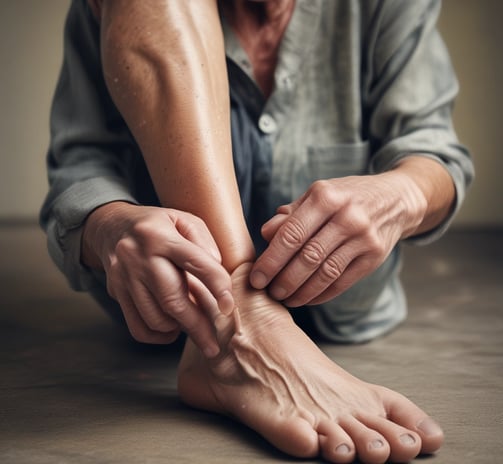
{"points": [[339, 231], [163, 267]]}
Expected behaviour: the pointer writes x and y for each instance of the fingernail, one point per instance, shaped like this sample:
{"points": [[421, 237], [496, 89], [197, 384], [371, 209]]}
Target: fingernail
{"points": [[407, 439], [258, 279], [429, 427], [343, 449], [226, 303]]}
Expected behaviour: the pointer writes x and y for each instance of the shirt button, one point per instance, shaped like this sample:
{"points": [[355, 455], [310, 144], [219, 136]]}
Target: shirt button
{"points": [[245, 64], [286, 81], [267, 124]]}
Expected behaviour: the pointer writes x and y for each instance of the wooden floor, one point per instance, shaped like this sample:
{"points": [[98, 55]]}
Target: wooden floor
{"points": [[74, 389]]}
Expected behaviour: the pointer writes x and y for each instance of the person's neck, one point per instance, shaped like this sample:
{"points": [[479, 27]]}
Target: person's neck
{"points": [[259, 27], [257, 14]]}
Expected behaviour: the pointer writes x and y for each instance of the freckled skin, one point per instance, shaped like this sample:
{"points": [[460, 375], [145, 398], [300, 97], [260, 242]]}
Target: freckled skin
{"points": [[268, 373]]}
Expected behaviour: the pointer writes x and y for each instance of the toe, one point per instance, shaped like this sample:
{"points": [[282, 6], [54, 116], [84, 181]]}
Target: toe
{"points": [[295, 436], [404, 444], [404, 412], [335, 444], [371, 446], [432, 436]]}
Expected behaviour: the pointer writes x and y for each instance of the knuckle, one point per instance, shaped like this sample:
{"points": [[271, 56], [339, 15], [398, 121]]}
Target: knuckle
{"points": [[312, 254], [378, 247], [191, 226], [324, 195], [293, 233], [196, 264], [374, 244], [142, 228], [319, 188], [173, 304], [187, 223], [332, 268], [124, 248], [360, 222]]}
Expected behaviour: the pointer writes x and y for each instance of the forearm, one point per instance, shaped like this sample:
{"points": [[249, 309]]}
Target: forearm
{"points": [[164, 63], [428, 193]]}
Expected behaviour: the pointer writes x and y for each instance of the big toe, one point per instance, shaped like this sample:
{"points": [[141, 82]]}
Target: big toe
{"points": [[295, 436], [432, 435], [404, 412]]}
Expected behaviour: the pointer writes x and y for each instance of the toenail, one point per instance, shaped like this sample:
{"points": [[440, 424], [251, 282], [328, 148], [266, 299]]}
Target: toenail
{"points": [[429, 427], [343, 449], [374, 444], [407, 439]]}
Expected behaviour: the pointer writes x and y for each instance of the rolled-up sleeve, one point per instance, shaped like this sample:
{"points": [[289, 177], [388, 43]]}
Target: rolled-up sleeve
{"points": [[409, 93], [91, 153]]}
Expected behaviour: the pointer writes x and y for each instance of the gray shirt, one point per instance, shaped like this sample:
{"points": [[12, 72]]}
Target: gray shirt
{"points": [[358, 86]]}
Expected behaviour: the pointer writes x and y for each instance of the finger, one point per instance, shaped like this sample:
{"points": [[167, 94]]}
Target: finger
{"points": [[138, 328], [324, 277], [149, 310], [272, 225], [195, 230], [198, 262], [287, 241], [202, 297], [307, 261], [170, 289], [357, 270]]}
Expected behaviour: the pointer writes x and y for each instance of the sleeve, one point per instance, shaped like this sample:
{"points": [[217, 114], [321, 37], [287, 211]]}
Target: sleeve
{"points": [[91, 152], [409, 92]]}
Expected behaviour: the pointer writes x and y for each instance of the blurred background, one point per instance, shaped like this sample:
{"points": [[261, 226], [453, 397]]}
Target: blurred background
{"points": [[30, 57]]}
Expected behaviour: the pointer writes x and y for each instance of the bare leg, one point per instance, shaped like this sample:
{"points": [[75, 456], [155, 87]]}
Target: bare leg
{"points": [[273, 378], [269, 375], [165, 68]]}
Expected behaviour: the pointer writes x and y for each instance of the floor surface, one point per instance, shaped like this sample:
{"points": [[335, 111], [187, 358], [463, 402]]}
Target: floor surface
{"points": [[74, 389]]}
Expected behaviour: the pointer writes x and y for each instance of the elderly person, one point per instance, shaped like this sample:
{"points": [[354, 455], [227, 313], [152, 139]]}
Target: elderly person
{"points": [[215, 163]]}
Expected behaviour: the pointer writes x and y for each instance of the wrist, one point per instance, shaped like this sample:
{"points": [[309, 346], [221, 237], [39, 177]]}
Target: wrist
{"points": [[428, 193], [101, 230], [410, 199]]}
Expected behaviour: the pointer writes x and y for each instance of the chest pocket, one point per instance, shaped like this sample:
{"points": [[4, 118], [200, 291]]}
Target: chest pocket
{"points": [[339, 160]]}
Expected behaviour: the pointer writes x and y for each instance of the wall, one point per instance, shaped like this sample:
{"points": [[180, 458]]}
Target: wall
{"points": [[30, 57], [473, 33]]}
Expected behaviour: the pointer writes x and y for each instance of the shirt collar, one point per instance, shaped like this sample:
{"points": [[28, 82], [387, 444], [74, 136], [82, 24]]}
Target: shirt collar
{"points": [[296, 43]]}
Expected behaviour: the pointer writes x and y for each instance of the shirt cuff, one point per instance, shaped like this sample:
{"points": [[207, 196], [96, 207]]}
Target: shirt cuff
{"points": [[64, 229]]}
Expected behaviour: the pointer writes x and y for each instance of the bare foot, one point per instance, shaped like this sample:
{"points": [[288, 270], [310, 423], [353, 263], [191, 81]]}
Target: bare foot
{"points": [[273, 378]]}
